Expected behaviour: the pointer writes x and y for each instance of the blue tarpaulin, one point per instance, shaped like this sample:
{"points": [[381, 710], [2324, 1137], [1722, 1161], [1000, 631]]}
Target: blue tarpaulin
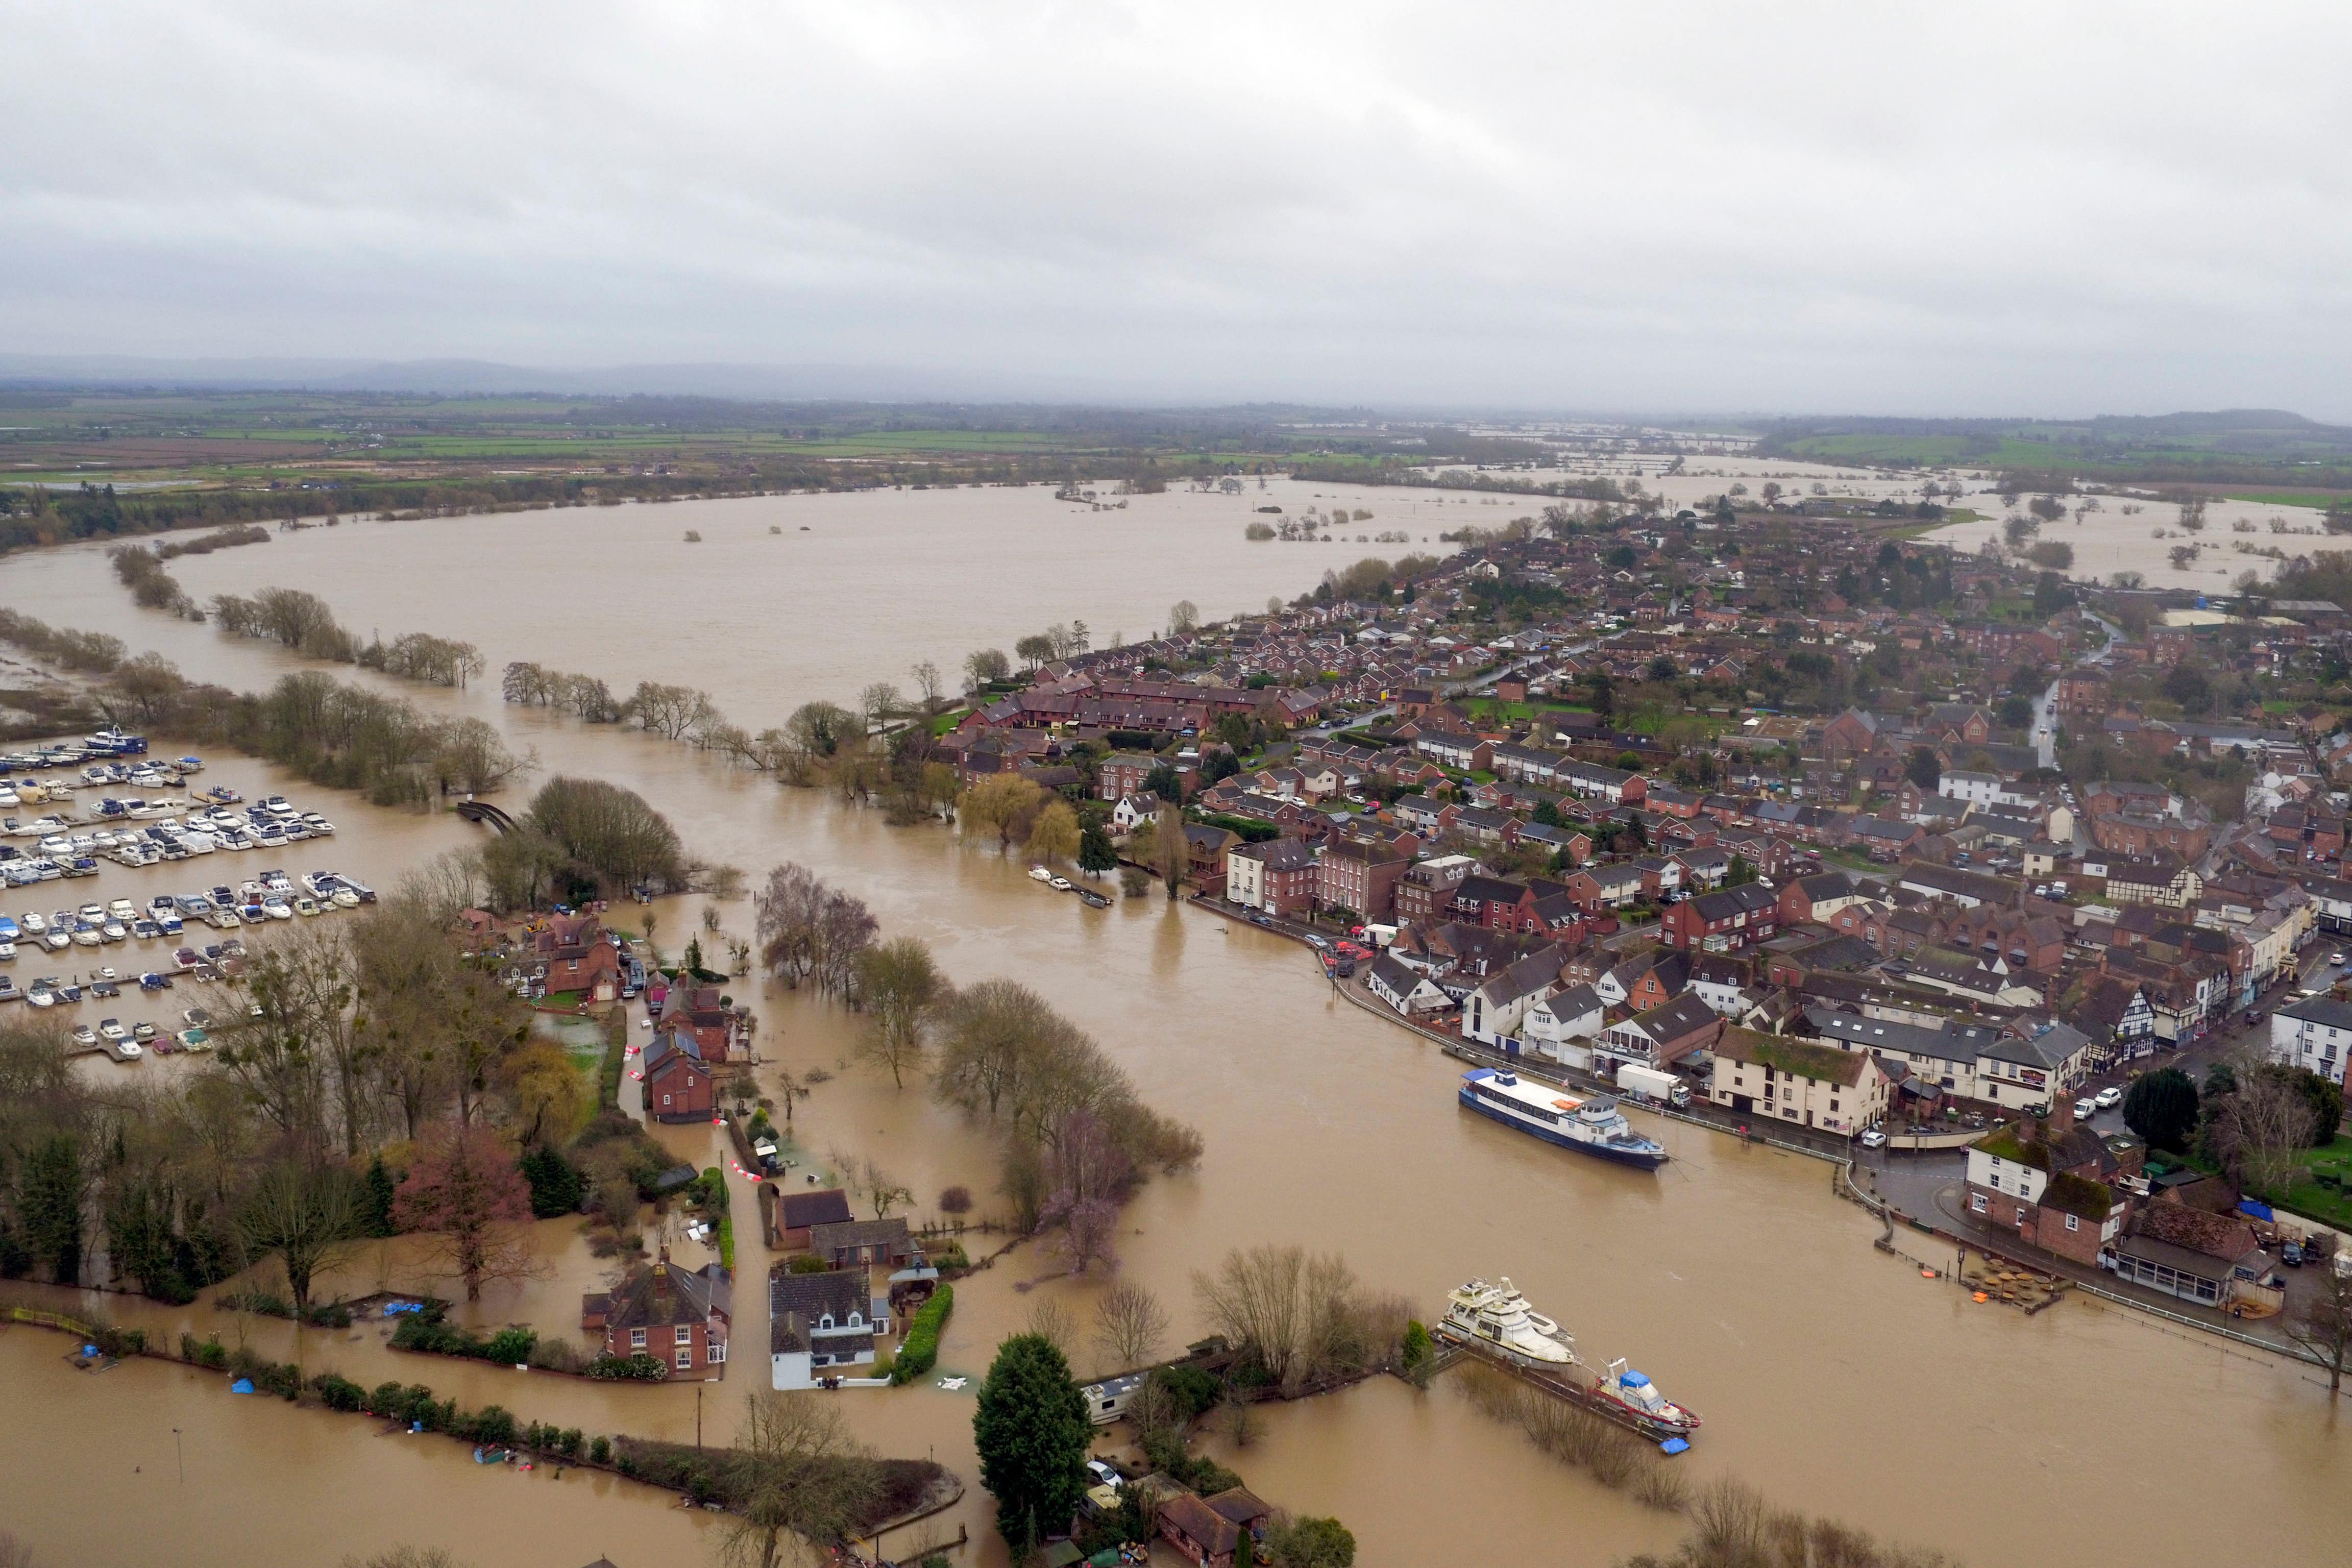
{"points": [[242, 1385], [2256, 1208]]}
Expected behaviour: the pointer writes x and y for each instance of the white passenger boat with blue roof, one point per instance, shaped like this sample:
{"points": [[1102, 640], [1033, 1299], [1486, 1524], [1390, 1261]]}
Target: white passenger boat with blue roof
{"points": [[1592, 1126]]}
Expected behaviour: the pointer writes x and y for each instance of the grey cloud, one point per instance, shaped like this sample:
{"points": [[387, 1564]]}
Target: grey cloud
{"points": [[1894, 208]]}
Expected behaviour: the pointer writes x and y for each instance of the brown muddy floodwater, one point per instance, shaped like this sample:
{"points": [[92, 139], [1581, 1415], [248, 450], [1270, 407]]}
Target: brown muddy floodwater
{"points": [[1832, 1377]]}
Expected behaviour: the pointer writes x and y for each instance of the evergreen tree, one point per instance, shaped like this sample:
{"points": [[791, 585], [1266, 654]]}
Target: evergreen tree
{"points": [[1031, 1432], [2161, 1107], [555, 1183], [1095, 854], [375, 1199], [48, 1204]]}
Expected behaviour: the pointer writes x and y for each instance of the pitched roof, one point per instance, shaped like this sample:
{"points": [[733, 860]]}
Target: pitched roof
{"points": [[1216, 1534], [659, 1293], [838, 1292], [1826, 1063], [801, 1210]]}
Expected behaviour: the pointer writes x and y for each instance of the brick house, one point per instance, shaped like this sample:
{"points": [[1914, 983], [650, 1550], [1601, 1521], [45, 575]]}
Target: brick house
{"points": [[1204, 1536], [677, 1081], [698, 1011], [1599, 888], [1122, 774], [2053, 1186], [1722, 921], [577, 956], [1423, 892], [1816, 897], [1358, 877], [1494, 902], [1275, 877], [802, 1211], [1205, 850], [679, 1318]]}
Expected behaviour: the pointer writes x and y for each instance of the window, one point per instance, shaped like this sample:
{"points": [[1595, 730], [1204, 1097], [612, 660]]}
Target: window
{"points": [[2072, 1223], [637, 1339], [684, 1358], [718, 1350], [684, 1334], [1977, 1202]]}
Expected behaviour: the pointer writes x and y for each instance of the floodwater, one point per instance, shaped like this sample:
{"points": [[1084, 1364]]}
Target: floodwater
{"points": [[1834, 1377]]}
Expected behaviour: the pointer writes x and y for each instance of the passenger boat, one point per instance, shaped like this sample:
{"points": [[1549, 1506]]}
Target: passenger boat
{"points": [[1594, 1126]]}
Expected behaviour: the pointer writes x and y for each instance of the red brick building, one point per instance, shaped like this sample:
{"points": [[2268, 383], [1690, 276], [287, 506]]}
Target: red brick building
{"points": [[577, 956], [677, 1081], [1358, 877], [679, 1318], [1722, 921]]}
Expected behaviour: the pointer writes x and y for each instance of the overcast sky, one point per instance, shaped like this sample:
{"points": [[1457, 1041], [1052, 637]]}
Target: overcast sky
{"points": [[1851, 207]]}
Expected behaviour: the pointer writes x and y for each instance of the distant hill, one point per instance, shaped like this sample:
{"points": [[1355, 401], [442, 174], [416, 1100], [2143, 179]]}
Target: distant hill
{"points": [[2230, 446]]}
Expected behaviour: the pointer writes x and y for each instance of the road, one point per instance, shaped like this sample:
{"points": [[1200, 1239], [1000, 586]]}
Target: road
{"points": [[2046, 713]]}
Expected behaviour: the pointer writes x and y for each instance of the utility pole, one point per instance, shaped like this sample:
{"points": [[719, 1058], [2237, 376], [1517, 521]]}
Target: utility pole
{"points": [[697, 1418], [180, 1455]]}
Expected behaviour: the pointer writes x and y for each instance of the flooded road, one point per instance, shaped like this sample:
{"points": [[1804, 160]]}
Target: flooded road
{"points": [[1831, 1375]]}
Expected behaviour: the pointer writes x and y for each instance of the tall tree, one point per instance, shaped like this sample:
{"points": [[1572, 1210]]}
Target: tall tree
{"points": [[2321, 1325], [1172, 850], [1129, 1323], [466, 1193], [304, 1212], [1032, 1432], [1054, 836], [901, 988], [2161, 1107]]}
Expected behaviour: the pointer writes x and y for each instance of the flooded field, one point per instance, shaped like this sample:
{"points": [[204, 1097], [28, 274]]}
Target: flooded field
{"points": [[1832, 1377]]}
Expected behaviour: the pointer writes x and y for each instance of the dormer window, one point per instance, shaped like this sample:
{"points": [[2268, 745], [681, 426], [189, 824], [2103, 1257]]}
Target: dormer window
{"points": [[825, 1322]]}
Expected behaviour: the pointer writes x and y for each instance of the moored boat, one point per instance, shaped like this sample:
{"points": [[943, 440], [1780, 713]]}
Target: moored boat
{"points": [[1498, 1316], [1591, 1126]]}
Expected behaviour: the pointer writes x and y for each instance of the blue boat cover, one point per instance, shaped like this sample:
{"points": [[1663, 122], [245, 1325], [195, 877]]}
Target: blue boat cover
{"points": [[1630, 1379], [1675, 1446]]}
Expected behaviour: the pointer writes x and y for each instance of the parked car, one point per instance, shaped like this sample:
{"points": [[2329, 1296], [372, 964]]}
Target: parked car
{"points": [[2291, 1254], [2085, 1110], [2109, 1098], [1874, 1139]]}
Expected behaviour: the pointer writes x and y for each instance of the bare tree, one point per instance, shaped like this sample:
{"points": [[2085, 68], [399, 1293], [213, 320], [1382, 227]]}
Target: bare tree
{"points": [[304, 1214], [795, 1471], [1052, 1319], [1129, 1323], [1183, 615], [2321, 1326], [2260, 1130], [929, 685]]}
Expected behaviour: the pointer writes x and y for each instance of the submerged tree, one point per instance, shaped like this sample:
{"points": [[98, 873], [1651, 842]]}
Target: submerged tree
{"points": [[466, 1193], [795, 1471], [303, 1212]]}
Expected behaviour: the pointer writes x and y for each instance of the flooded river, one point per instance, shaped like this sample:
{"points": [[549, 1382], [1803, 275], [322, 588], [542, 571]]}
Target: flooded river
{"points": [[1834, 1377]]}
